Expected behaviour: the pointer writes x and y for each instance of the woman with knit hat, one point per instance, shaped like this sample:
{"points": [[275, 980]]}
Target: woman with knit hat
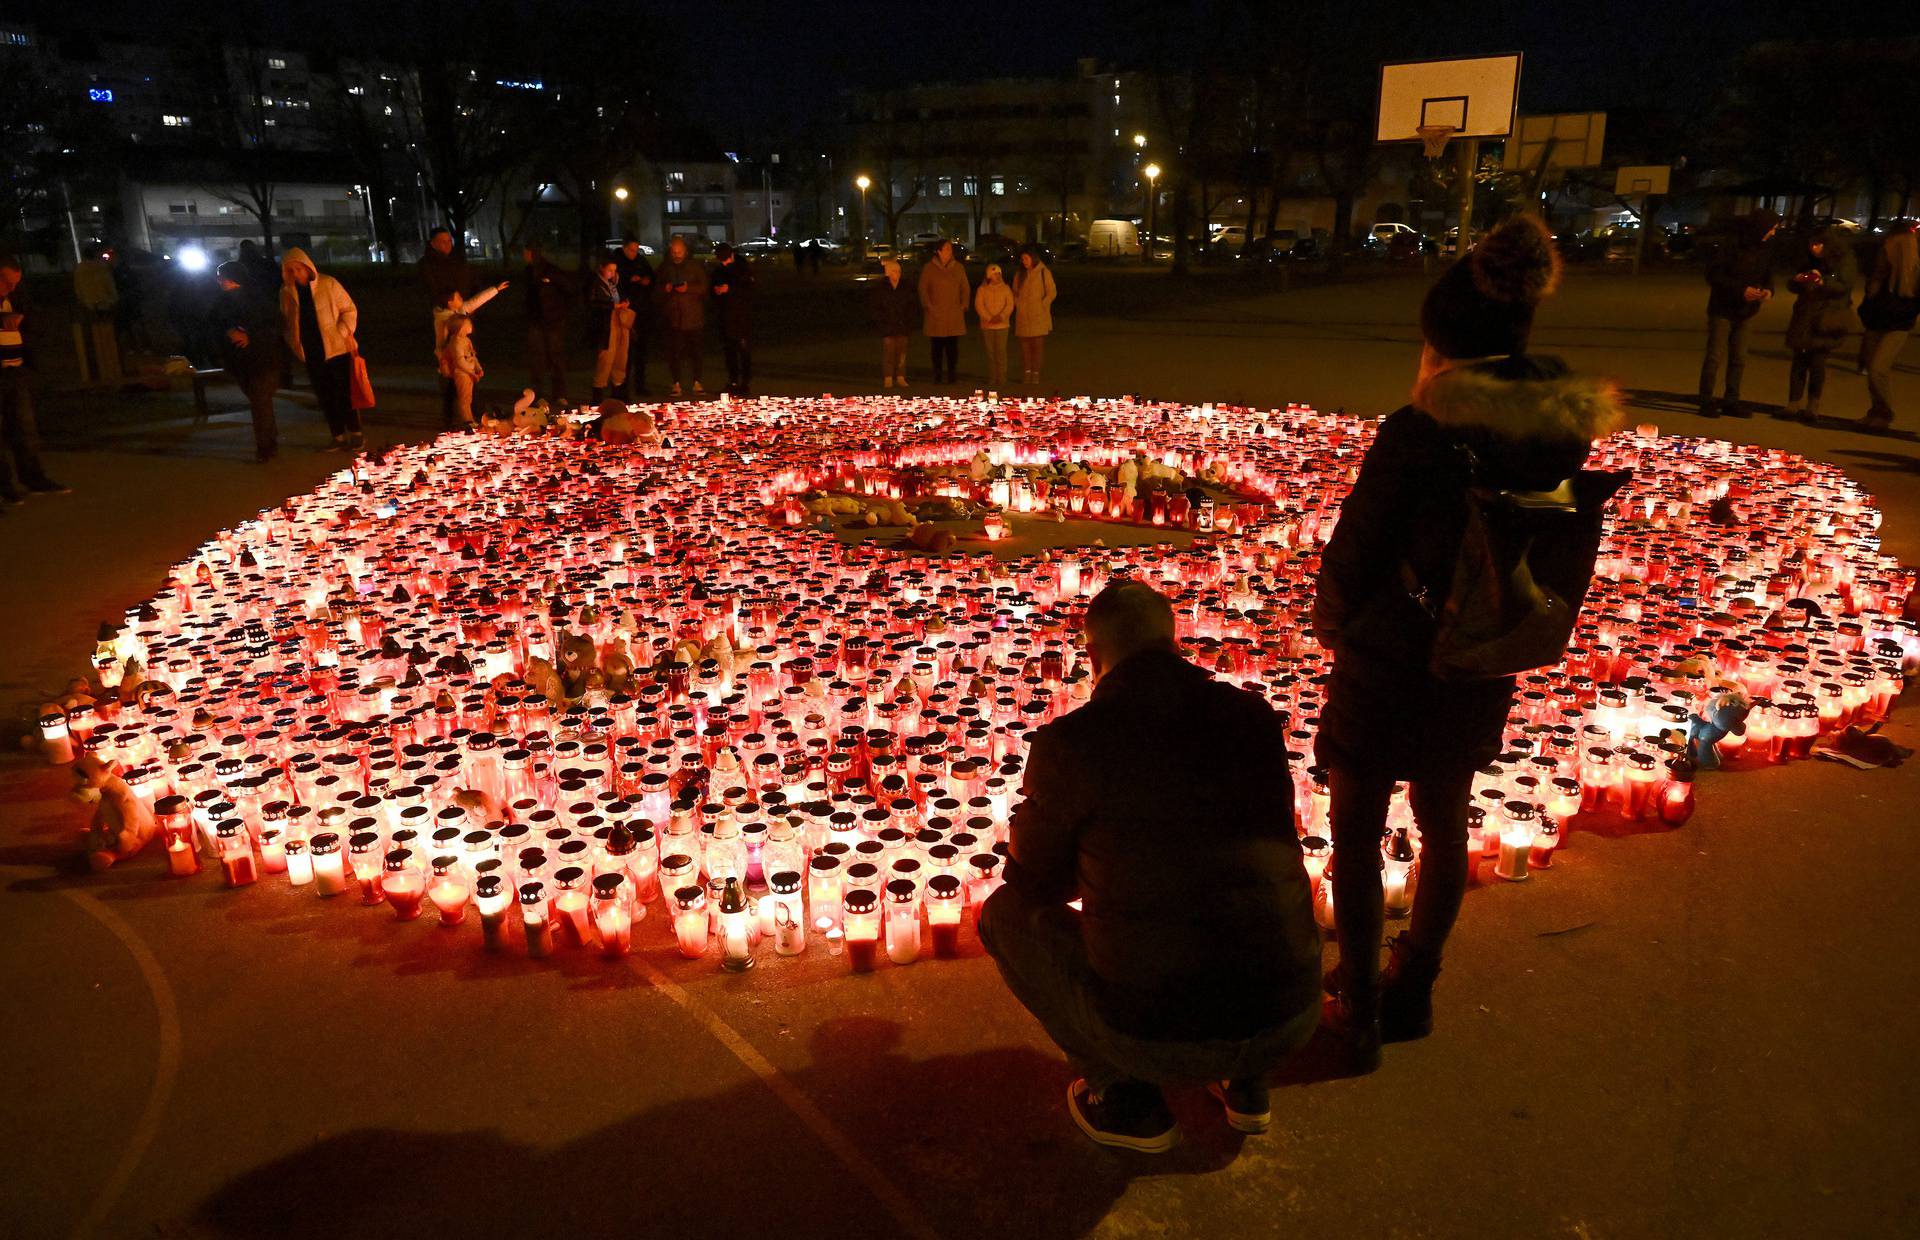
{"points": [[1484, 414]]}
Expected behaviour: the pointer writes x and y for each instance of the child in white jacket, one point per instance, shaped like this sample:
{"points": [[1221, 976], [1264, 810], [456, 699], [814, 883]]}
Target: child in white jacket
{"points": [[461, 365], [457, 307]]}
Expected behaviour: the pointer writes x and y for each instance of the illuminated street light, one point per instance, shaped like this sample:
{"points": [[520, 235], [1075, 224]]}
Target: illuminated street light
{"points": [[1140, 140], [865, 183], [621, 193], [1152, 173]]}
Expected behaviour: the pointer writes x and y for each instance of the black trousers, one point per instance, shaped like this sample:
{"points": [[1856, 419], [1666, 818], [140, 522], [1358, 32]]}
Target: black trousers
{"points": [[259, 391], [946, 357], [1044, 962], [1358, 806], [636, 384], [332, 382], [739, 351], [684, 346], [547, 358], [19, 436]]}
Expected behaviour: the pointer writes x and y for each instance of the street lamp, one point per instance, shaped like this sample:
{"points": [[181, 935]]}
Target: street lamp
{"points": [[865, 183], [1152, 172], [621, 193], [1140, 141]]}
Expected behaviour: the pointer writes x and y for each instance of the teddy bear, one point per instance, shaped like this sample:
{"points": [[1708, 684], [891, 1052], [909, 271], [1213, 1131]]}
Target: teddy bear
{"points": [[544, 680], [577, 658], [930, 538], [122, 823]]}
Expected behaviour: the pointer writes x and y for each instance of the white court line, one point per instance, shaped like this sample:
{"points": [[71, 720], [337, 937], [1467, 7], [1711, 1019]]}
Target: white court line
{"points": [[906, 1215], [166, 1070]]}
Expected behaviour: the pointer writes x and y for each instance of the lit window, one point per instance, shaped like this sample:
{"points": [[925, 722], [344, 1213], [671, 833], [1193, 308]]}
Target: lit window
{"points": [[946, 187], [172, 121], [997, 186], [275, 62], [357, 90], [676, 178], [970, 186], [389, 109], [270, 122], [674, 206]]}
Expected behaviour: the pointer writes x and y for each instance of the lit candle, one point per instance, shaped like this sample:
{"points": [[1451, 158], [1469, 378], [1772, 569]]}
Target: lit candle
{"points": [[534, 919], [363, 854], [56, 738], [611, 920], [490, 897], [860, 920], [903, 921], [572, 909], [402, 884], [944, 904], [736, 928], [449, 891], [299, 863], [1515, 841], [690, 920], [329, 866], [1396, 874], [236, 854], [789, 925]]}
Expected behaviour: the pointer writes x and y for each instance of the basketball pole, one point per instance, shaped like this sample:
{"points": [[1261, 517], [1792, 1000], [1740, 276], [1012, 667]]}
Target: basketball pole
{"points": [[1469, 164]]}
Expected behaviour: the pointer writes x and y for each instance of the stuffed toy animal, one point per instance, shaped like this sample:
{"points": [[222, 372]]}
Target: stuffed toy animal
{"points": [[577, 658], [544, 680], [122, 824], [1722, 714], [931, 538]]}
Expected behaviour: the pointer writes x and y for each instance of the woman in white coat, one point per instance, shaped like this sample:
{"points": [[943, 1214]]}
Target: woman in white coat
{"points": [[319, 320], [1033, 294]]}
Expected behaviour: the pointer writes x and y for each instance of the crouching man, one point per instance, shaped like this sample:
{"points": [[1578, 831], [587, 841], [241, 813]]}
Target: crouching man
{"points": [[1165, 806]]}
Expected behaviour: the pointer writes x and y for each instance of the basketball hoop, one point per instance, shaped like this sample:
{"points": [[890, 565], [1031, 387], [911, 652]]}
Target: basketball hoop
{"points": [[1434, 138]]}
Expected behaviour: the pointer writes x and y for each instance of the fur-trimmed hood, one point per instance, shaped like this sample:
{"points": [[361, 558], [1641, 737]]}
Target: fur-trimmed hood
{"points": [[1522, 398]]}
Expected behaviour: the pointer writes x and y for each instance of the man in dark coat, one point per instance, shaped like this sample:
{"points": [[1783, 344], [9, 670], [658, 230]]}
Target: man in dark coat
{"points": [[732, 283], [680, 291], [1739, 280], [635, 276], [21, 470], [1165, 806], [247, 327], [442, 271], [549, 297]]}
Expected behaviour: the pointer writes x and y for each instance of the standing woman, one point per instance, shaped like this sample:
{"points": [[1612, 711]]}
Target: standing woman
{"points": [[1483, 413], [318, 320], [1033, 294], [1822, 317], [993, 302], [896, 312], [944, 293], [1888, 312]]}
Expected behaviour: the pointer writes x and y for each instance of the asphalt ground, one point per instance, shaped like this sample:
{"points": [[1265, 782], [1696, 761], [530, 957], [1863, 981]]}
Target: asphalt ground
{"points": [[1699, 1032]]}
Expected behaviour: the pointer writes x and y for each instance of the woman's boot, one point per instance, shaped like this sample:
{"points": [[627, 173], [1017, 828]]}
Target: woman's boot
{"points": [[1406, 991]]}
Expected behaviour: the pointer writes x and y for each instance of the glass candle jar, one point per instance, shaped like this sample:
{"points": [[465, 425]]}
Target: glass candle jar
{"points": [[237, 866], [1516, 839], [536, 919], [1676, 795], [402, 884], [789, 917], [611, 919], [491, 899], [903, 921], [449, 891], [572, 911], [945, 900], [329, 865], [690, 920], [365, 858], [860, 920], [1546, 838], [824, 888], [1397, 874], [736, 926], [299, 862]]}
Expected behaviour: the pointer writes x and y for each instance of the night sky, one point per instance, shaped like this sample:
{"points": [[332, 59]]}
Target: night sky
{"points": [[754, 68]]}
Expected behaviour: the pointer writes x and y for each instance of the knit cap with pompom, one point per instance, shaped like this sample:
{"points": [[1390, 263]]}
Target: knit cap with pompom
{"points": [[1483, 306]]}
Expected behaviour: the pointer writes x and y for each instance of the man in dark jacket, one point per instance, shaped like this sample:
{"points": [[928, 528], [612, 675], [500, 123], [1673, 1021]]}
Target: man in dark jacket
{"points": [[732, 282], [1165, 806], [443, 272], [247, 327], [635, 276], [20, 467], [549, 297], [680, 290], [1740, 280]]}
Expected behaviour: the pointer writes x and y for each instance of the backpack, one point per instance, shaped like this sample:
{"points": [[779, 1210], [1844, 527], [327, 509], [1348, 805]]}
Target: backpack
{"points": [[1523, 569]]}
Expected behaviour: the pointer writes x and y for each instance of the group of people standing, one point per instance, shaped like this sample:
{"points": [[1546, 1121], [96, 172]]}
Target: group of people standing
{"points": [[938, 306], [1827, 276], [624, 302]]}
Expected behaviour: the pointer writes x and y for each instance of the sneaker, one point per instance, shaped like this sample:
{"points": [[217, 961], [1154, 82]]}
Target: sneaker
{"points": [[674, 394], [1247, 1103], [1130, 1116], [47, 486]]}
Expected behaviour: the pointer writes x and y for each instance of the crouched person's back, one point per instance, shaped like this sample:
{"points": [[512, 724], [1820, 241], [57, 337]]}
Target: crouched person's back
{"points": [[1166, 807]]}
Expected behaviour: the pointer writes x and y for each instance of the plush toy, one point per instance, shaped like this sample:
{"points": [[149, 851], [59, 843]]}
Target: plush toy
{"points": [[981, 467], [930, 538], [544, 680], [482, 807], [122, 824], [1723, 713], [577, 658], [616, 666]]}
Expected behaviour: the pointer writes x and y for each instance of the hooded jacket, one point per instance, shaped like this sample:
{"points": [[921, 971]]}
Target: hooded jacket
{"points": [[1165, 805], [1823, 309], [993, 302], [1033, 294], [338, 316], [1530, 423], [944, 293]]}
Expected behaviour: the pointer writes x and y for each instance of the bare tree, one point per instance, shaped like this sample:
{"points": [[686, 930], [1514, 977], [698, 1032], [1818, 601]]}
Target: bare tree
{"points": [[978, 154], [1063, 164], [346, 118], [893, 146], [235, 126]]}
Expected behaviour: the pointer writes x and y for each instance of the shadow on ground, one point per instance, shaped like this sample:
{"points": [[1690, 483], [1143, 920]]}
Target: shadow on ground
{"points": [[735, 1162]]}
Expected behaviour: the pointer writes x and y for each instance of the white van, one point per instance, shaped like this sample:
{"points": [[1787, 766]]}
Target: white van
{"points": [[1113, 239]]}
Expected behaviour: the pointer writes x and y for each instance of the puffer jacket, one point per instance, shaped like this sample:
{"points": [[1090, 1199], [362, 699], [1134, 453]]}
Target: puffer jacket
{"points": [[1530, 423], [993, 302], [339, 317], [1165, 805], [1033, 294]]}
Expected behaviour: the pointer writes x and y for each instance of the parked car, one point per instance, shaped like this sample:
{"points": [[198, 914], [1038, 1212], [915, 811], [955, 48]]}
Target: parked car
{"points": [[614, 243], [1230, 239], [998, 248], [833, 253], [878, 252], [757, 247], [927, 249], [1382, 234]]}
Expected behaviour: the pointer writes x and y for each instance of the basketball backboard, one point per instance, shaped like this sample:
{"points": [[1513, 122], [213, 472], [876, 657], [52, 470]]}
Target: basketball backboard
{"points": [[1642, 179], [1564, 140], [1476, 96]]}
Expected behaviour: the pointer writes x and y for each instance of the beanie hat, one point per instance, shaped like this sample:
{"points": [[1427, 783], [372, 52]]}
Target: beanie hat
{"points": [[1484, 304]]}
